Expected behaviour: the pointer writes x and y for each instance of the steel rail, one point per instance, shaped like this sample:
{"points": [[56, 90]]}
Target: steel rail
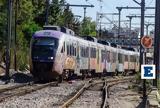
{"points": [[87, 85], [15, 87], [71, 100], [106, 86], [19, 91]]}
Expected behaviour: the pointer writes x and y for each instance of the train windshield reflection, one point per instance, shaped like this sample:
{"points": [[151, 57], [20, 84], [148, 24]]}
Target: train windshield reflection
{"points": [[45, 41], [44, 47]]}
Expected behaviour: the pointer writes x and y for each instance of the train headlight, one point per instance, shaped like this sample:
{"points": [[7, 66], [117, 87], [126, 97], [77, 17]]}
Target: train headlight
{"points": [[36, 57], [51, 58]]}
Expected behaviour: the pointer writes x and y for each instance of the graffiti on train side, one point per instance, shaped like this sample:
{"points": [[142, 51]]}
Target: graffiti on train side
{"points": [[70, 63]]}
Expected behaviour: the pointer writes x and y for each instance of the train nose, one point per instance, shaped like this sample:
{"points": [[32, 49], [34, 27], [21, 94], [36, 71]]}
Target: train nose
{"points": [[42, 69], [43, 59]]}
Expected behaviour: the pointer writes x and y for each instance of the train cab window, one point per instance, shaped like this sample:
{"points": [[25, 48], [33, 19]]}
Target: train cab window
{"points": [[46, 41], [63, 48], [63, 29]]}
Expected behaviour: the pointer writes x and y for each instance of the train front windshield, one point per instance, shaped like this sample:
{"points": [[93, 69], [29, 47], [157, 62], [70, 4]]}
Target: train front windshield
{"points": [[44, 47]]}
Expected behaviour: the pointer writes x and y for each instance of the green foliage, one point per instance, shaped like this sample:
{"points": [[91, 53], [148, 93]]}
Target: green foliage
{"points": [[28, 30], [25, 11], [138, 77], [30, 18], [3, 24], [22, 59], [88, 27]]}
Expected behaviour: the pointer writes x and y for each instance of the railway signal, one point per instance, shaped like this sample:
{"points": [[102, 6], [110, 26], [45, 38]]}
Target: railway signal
{"points": [[146, 41]]}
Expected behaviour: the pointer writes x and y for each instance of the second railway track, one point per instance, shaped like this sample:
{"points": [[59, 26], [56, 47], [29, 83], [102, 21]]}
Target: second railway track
{"points": [[95, 86], [19, 90]]}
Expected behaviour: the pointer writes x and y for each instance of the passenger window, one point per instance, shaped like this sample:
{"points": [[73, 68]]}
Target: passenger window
{"points": [[75, 50], [68, 50], [62, 50]]}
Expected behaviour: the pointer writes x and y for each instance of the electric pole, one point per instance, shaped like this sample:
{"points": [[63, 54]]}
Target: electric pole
{"points": [[130, 27], [119, 21], [138, 16], [120, 9], [156, 40], [47, 12], [142, 53], [15, 38], [147, 26], [84, 14], [73, 5], [9, 15]]}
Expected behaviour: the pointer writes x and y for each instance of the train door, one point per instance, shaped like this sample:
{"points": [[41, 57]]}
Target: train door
{"points": [[126, 62], [89, 57], [121, 62], [108, 62], [103, 60], [77, 71], [97, 56], [111, 61], [129, 60]]}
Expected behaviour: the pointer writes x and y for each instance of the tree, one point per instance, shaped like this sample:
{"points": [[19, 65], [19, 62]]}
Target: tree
{"points": [[3, 27], [30, 18], [88, 27]]}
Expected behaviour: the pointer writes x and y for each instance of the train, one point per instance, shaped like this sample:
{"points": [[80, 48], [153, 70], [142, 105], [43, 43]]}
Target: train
{"points": [[57, 55]]}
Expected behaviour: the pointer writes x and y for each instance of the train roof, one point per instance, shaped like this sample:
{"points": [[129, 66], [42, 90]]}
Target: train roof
{"points": [[113, 45], [89, 38], [103, 42], [128, 48], [59, 28], [100, 43], [48, 33]]}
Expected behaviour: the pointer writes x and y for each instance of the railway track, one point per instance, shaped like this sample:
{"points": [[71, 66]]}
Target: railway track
{"points": [[105, 90], [106, 84], [23, 89]]}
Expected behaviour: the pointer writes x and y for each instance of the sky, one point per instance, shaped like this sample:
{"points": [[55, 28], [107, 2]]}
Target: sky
{"points": [[109, 6]]}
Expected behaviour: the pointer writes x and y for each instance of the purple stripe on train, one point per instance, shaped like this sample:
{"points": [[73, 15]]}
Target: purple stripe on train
{"points": [[48, 33]]}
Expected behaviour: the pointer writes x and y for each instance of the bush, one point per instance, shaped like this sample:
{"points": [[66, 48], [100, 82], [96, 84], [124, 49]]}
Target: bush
{"points": [[22, 59], [138, 78]]}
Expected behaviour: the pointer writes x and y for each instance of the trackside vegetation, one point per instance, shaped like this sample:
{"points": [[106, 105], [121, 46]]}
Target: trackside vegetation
{"points": [[30, 18]]}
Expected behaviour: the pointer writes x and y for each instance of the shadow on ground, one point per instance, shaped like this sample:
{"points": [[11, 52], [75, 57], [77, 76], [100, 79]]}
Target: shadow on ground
{"points": [[142, 104], [22, 78], [18, 78]]}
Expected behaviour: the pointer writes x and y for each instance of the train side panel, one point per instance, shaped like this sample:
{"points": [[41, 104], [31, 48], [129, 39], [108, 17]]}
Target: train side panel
{"points": [[93, 60]]}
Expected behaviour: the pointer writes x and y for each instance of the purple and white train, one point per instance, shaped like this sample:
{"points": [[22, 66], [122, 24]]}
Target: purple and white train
{"points": [[54, 54]]}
